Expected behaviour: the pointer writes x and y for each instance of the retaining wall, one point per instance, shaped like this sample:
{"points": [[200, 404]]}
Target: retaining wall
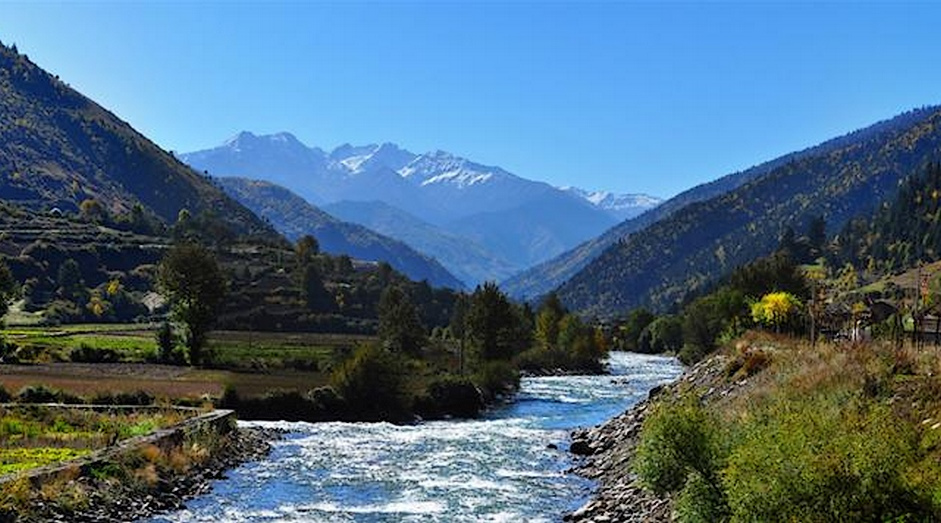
{"points": [[216, 422]]}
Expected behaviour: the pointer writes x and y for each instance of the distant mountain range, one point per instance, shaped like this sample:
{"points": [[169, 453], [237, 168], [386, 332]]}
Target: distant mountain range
{"points": [[681, 247], [507, 222], [294, 217], [470, 260]]}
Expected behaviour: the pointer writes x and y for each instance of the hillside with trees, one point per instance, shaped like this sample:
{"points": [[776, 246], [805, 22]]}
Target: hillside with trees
{"points": [[549, 275], [294, 217], [60, 150], [691, 249]]}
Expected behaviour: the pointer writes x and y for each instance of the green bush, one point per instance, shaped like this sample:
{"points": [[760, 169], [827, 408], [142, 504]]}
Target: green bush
{"points": [[496, 378], [85, 353], [679, 438], [812, 460], [373, 384], [450, 396]]}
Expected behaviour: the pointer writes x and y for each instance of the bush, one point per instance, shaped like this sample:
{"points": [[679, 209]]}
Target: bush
{"points": [[450, 396], [43, 394], [139, 397], [85, 353], [678, 439], [5, 396], [496, 378], [373, 384], [815, 461], [166, 342]]}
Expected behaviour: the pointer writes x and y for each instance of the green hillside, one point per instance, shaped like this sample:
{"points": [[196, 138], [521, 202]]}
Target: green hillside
{"points": [[549, 275], [660, 264], [59, 149]]}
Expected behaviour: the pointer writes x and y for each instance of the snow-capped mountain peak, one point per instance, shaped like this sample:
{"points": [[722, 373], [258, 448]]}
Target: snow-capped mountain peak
{"points": [[443, 167], [622, 206], [386, 155]]}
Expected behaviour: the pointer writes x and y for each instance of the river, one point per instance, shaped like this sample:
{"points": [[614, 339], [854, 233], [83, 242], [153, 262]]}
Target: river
{"points": [[498, 468]]}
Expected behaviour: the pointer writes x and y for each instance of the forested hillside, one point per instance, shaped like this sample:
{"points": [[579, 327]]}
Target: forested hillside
{"points": [[660, 264], [548, 275], [59, 149], [295, 218], [901, 233]]}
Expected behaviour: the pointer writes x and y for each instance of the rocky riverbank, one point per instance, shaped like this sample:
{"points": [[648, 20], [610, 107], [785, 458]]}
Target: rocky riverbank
{"points": [[116, 501], [607, 450]]}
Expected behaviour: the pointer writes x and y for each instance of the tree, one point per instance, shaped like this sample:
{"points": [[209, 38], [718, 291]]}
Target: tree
{"points": [[547, 321], [192, 282], [494, 326], [71, 286], [400, 329], [307, 247], [7, 286], [776, 309], [316, 295], [92, 210], [637, 321], [373, 384], [662, 335], [817, 235]]}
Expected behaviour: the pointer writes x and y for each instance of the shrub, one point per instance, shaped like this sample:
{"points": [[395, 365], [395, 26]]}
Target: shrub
{"points": [[373, 384], [5, 396], [814, 461], [678, 439], [85, 353], [450, 396], [165, 343], [138, 397], [496, 378], [43, 394]]}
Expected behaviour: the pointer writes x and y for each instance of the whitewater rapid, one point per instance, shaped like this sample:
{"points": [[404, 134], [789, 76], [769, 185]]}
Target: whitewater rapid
{"points": [[508, 466]]}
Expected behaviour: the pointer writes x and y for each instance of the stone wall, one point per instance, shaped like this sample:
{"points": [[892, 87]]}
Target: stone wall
{"points": [[214, 423]]}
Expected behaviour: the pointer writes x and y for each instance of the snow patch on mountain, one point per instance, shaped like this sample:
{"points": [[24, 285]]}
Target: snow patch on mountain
{"points": [[621, 205]]}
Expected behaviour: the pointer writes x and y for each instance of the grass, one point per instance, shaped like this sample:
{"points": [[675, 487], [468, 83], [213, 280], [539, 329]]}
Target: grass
{"points": [[21, 459], [32, 436], [252, 362], [836, 432]]}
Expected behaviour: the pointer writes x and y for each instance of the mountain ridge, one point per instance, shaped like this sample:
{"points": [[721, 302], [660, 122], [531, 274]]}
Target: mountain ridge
{"points": [[547, 276], [658, 265], [438, 187], [295, 217]]}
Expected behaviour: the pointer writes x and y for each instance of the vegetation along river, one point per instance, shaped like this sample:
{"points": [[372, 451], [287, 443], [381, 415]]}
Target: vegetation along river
{"points": [[498, 468]]}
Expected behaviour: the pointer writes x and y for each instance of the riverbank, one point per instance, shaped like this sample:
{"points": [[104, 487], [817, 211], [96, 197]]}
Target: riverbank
{"points": [[117, 499], [773, 428], [607, 451]]}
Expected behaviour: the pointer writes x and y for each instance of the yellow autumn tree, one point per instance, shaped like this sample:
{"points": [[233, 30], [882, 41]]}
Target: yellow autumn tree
{"points": [[775, 310]]}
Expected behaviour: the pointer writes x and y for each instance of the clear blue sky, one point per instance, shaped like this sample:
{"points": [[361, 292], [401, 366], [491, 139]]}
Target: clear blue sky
{"points": [[632, 97]]}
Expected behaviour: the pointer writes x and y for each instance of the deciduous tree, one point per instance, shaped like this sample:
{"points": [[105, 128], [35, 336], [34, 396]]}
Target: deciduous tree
{"points": [[192, 282]]}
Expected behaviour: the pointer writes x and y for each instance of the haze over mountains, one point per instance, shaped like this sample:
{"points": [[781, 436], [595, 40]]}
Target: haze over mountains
{"points": [[295, 217], [507, 222]]}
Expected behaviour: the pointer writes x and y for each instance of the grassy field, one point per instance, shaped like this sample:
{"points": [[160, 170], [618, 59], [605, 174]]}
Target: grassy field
{"points": [[32, 436], [252, 362]]}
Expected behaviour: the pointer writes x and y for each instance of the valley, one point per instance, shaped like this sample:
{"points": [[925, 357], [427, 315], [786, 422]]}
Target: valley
{"points": [[269, 329]]}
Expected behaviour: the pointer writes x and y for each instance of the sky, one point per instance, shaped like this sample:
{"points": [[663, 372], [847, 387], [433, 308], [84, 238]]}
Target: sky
{"points": [[624, 96]]}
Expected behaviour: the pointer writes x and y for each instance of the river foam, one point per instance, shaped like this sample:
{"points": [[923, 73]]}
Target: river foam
{"points": [[498, 468]]}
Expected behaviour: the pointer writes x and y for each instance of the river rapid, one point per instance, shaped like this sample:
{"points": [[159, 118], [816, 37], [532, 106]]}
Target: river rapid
{"points": [[498, 468]]}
